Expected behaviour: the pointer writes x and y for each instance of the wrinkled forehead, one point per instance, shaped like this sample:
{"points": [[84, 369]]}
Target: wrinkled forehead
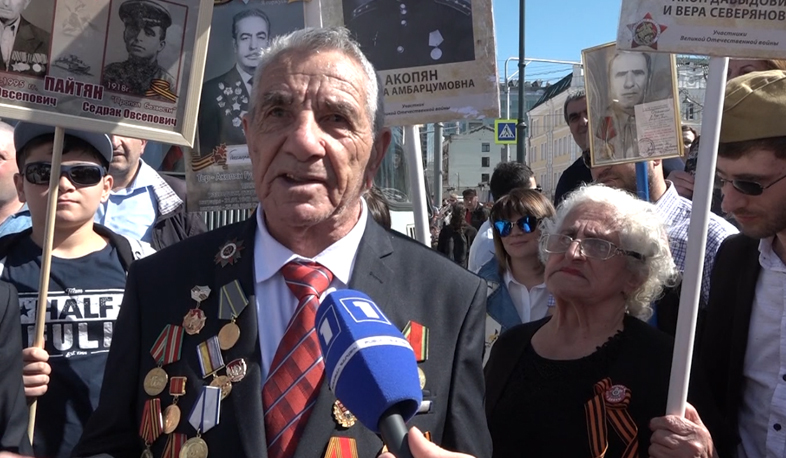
{"points": [[595, 217], [628, 61]]}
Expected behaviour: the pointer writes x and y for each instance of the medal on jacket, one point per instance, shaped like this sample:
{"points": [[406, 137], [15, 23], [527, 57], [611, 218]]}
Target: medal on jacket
{"points": [[209, 355], [343, 416], [166, 349], [236, 370], [229, 253], [194, 320], [177, 388], [152, 424], [417, 336], [231, 304], [174, 444], [204, 415]]}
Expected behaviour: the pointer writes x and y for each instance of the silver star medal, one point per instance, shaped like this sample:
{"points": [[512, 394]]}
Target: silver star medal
{"points": [[435, 39]]}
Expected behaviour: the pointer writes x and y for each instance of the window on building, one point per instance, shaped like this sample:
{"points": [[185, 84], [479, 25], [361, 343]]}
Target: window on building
{"points": [[485, 148], [485, 162], [690, 112], [484, 177]]}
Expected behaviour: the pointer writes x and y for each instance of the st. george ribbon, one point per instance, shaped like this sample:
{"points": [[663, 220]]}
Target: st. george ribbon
{"points": [[369, 365]]}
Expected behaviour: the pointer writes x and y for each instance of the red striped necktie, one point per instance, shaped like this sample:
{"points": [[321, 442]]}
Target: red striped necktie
{"points": [[296, 373]]}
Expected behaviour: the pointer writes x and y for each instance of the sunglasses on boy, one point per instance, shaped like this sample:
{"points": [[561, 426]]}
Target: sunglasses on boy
{"points": [[527, 224], [79, 174]]}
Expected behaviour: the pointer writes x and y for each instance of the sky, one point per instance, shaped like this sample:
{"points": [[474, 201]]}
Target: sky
{"points": [[553, 29]]}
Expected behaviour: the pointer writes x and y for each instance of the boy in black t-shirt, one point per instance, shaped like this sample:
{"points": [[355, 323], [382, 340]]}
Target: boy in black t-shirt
{"points": [[88, 270]]}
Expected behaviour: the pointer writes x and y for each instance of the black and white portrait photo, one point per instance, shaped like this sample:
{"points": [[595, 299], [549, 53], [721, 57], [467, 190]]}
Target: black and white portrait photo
{"points": [[240, 32], [25, 36], [412, 33], [618, 82], [143, 47]]}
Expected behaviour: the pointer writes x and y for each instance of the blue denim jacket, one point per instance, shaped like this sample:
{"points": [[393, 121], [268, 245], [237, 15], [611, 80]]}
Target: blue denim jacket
{"points": [[499, 304]]}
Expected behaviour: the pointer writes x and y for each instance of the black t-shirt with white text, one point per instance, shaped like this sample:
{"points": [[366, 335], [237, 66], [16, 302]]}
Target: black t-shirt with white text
{"points": [[84, 300]]}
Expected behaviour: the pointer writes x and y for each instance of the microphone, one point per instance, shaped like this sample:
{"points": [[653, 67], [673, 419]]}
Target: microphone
{"points": [[370, 366]]}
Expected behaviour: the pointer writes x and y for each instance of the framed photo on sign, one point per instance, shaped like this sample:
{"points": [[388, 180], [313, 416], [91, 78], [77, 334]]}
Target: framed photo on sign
{"points": [[632, 105]]}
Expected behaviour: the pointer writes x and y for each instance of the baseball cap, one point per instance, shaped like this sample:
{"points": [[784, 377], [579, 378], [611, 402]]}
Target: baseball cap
{"points": [[25, 131], [754, 107]]}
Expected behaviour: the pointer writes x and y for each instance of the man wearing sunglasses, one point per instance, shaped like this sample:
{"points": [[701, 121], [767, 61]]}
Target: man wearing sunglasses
{"points": [[741, 345], [675, 212], [87, 279]]}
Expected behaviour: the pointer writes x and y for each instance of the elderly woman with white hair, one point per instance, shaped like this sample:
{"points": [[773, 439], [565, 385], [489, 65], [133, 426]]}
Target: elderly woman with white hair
{"points": [[587, 381]]}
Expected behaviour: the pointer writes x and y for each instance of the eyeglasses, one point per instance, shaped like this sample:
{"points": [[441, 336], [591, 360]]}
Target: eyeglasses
{"points": [[79, 174], [591, 248], [750, 188], [527, 224], [585, 156]]}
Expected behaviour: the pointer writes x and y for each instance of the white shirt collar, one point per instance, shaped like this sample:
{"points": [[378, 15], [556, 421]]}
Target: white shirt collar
{"points": [[507, 277], [270, 255], [244, 75]]}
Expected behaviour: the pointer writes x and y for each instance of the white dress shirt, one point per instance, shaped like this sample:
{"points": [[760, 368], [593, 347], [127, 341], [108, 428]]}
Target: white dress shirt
{"points": [[531, 304], [482, 249], [762, 417], [274, 301]]}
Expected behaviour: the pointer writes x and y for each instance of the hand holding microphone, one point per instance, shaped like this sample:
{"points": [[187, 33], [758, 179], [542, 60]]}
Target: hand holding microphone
{"points": [[369, 365]]}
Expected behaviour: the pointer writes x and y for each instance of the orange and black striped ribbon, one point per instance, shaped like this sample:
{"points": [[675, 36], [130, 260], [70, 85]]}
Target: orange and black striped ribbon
{"points": [[159, 87], [601, 412], [152, 421], [417, 335], [341, 447], [174, 444]]}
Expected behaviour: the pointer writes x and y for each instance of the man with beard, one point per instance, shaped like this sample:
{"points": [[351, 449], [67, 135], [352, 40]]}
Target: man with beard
{"points": [[741, 344], [675, 212]]}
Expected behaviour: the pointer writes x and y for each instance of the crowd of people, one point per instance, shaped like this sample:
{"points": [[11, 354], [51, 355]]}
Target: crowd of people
{"points": [[541, 328]]}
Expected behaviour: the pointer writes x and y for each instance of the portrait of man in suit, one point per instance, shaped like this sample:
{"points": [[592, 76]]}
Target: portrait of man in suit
{"points": [[145, 24], [225, 98], [316, 139], [23, 46]]}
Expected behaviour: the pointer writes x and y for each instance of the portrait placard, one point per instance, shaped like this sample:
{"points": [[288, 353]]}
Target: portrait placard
{"points": [[218, 172], [436, 58], [129, 67], [632, 105], [750, 30]]}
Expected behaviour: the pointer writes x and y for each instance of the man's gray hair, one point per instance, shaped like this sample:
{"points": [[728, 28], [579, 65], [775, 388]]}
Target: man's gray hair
{"points": [[640, 230], [575, 94], [313, 40]]}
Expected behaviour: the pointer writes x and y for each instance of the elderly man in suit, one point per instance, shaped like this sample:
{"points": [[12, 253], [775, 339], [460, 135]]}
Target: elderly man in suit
{"points": [[23, 46], [316, 139], [225, 98]]}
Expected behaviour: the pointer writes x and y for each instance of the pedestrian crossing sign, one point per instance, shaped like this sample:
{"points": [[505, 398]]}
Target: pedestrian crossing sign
{"points": [[505, 131]]}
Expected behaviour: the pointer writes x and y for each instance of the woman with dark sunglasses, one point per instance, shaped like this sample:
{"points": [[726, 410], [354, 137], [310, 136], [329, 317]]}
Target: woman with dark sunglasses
{"points": [[515, 275]]}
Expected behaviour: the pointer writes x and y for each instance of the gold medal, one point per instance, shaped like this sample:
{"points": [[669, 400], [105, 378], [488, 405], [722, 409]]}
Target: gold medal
{"points": [[171, 418], [343, 416], [155, 381], [194, 321], [194, 448], [422, 378], [223, 382], [228, 335]]}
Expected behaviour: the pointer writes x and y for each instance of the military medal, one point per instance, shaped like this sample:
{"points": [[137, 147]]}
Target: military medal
{"points": [[229, 253], [155, 381], [417, 336], [223, 382], [615, 394], [204, 415], [194, 320], [231, 304], [236, 370], [166, 349], [174, 444], [209, 355], [177, 388], [152, 424], [421, 378], [343, 416], [341, 447]]}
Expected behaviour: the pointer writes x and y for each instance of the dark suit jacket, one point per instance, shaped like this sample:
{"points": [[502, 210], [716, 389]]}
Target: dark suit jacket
{"points": [[216, 126], [13, 406], [723, 340], [386, 266], [30, 46]]}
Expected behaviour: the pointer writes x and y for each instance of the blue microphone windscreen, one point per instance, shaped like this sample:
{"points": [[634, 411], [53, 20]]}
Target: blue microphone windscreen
{"points": [[369, 364]]}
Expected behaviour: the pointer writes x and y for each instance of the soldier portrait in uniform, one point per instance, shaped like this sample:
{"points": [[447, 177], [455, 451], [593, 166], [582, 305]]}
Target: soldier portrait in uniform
{"points": [[411, 33], [24, 47], [239, 34], [145, 31], [617, 82]]}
